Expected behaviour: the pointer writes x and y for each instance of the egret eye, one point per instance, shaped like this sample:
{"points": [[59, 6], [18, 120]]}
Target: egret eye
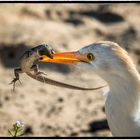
{"points": [[90, 56]]}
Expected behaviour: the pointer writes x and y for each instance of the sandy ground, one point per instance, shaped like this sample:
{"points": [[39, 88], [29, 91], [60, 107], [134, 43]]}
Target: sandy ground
{"points": [[53, 111]]}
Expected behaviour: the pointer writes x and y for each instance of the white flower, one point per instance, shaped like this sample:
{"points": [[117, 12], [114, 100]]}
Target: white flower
{"points": [[19, 124]]}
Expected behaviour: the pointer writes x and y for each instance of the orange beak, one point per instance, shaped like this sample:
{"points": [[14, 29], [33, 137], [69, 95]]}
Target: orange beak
{"points": [[65, 58]]}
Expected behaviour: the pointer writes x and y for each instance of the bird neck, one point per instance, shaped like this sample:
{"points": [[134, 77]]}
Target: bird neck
{"points": [[125, 88], [122, 105]]}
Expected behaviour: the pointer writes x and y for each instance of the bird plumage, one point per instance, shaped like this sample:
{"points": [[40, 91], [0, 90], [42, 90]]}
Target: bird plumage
{"points": [[122, 104]]}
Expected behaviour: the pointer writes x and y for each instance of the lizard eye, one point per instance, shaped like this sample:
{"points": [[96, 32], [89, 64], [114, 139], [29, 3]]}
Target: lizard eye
{"points": [[42, 52]]}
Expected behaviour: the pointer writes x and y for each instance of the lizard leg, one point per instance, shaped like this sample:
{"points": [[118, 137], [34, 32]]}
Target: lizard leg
{"points": [[16, 73], [37, 72]]}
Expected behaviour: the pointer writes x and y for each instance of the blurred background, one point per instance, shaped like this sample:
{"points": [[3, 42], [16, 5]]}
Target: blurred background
{"points": [[54, 111]]}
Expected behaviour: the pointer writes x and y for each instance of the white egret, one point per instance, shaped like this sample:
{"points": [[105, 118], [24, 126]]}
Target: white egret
{"points": [[113, 64]]}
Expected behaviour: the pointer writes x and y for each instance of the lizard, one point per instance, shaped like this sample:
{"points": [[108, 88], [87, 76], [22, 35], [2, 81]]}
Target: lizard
{"points": [[28, 59], [27, 65]]}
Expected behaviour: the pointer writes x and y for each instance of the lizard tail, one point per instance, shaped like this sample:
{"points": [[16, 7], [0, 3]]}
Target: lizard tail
{"points": [[60, 84]]}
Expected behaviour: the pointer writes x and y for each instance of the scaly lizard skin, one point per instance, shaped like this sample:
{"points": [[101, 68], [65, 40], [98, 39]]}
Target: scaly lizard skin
{"points": [[28, 59]]}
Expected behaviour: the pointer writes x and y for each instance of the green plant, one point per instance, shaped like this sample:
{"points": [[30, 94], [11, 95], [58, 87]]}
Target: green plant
{"points": [[17, 129]]}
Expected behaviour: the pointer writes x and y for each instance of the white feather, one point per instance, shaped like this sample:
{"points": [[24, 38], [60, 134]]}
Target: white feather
{"points": [[122, 104]]}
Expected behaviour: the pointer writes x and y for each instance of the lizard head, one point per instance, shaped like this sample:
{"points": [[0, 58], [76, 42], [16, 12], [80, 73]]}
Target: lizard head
{"points": [[44, 49]]}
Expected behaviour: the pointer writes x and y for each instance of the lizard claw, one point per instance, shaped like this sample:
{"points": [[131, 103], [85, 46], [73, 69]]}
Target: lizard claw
{"points": [[20, 82], [14, 82], [39, 73]]}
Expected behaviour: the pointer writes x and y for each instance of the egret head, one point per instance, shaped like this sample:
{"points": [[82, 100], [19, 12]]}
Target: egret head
{"points": [[104, 57]]}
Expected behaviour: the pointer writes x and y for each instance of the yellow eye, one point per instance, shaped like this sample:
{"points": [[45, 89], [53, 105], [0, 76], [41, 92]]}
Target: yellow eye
{"points": [[90, 56]]}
